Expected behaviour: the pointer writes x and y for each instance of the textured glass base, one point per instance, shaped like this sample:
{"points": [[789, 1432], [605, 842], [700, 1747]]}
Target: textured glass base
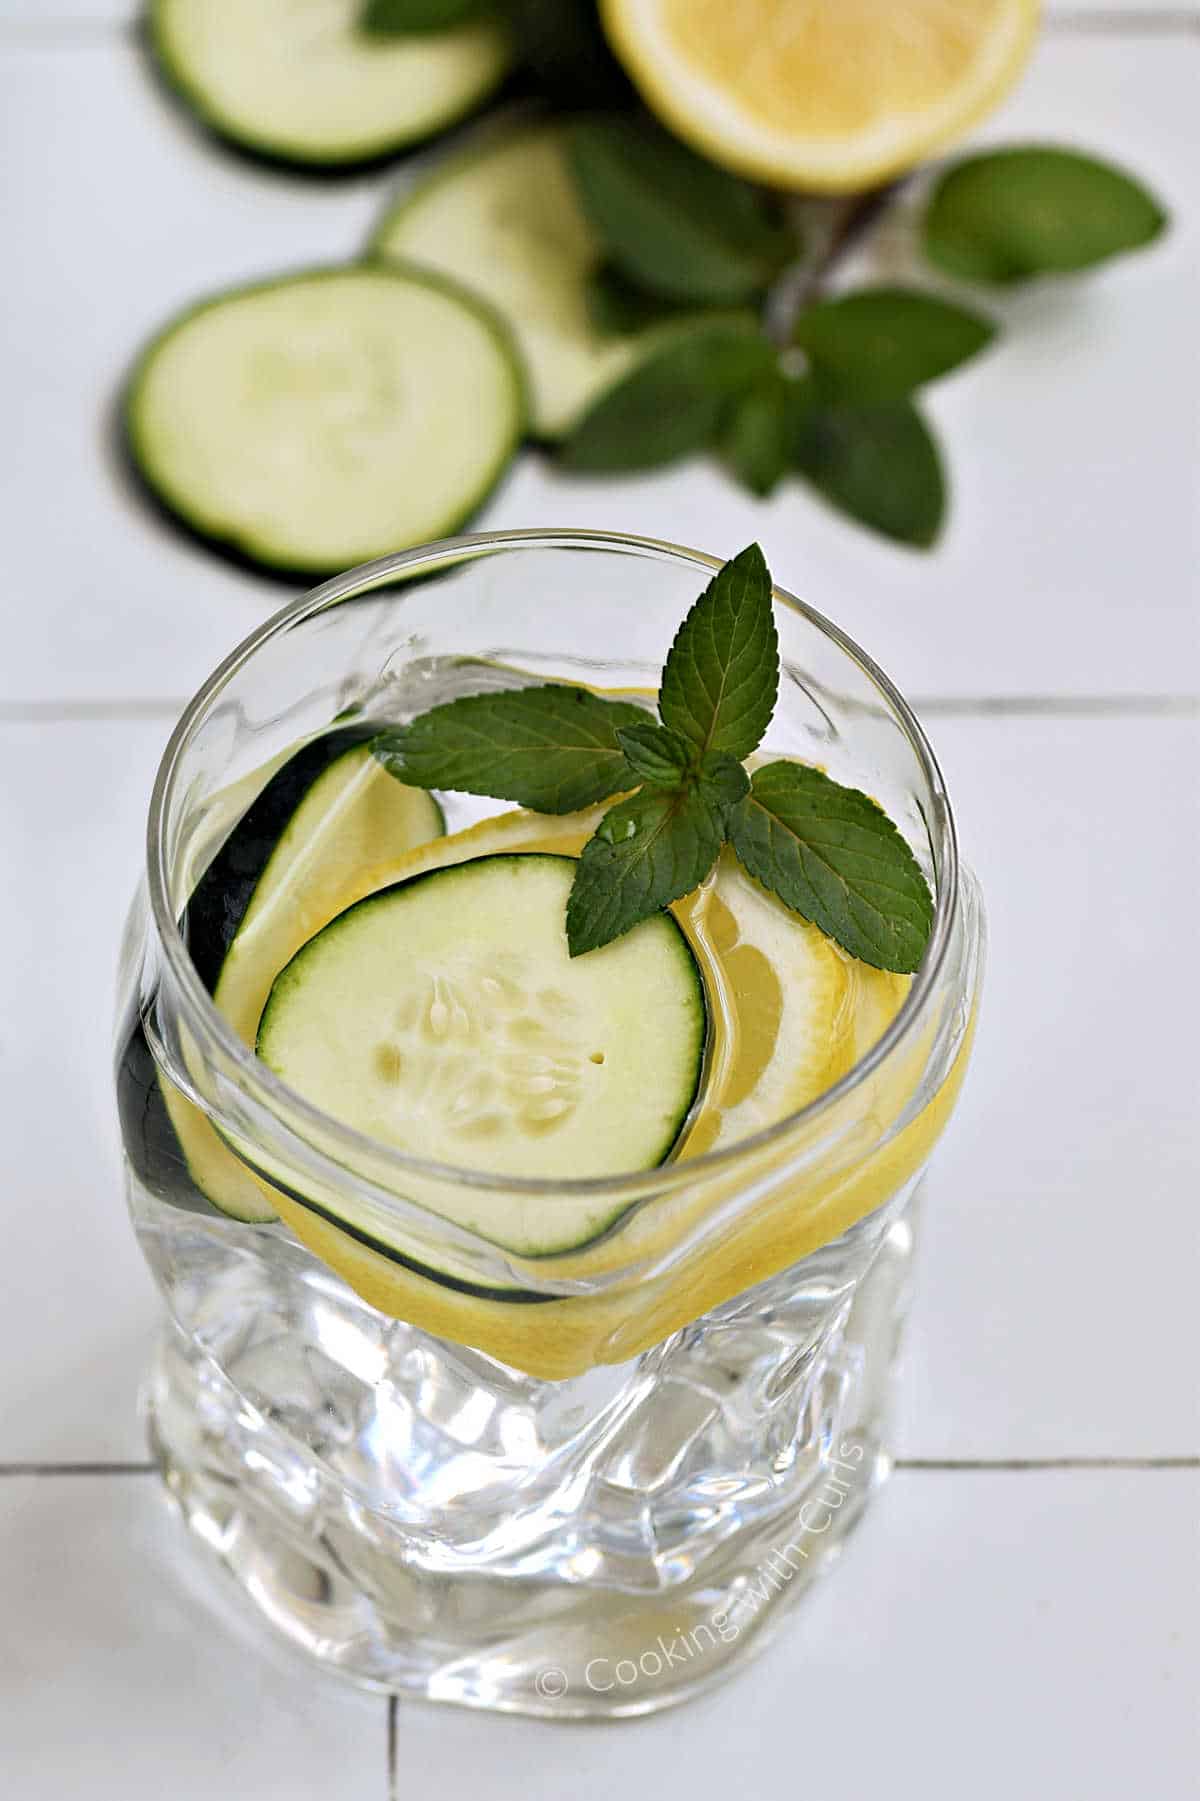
{"points": [[428, 1521]]}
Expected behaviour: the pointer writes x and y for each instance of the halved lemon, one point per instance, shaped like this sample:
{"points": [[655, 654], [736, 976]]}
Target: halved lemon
{"points": [[827, 95]]}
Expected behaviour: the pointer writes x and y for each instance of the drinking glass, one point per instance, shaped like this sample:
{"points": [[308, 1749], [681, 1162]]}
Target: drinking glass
{"points": [[578, 1484]]}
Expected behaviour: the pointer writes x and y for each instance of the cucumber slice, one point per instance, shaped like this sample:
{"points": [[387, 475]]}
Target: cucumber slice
{"points": [[445, 1015], [296, 80], [323, 419], [351, 814], [503, 218], [224, 895], [281, 873]]}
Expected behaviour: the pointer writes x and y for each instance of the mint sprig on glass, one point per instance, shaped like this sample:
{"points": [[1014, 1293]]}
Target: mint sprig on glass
{"points": [[830, 853]]}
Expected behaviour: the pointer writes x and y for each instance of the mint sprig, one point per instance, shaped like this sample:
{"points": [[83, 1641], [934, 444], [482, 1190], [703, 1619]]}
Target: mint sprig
{"points": [[825, 389], [830, 853]]}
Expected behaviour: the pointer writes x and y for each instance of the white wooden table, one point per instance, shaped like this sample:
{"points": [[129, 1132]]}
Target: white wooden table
{"points": [[1018, 1614]]}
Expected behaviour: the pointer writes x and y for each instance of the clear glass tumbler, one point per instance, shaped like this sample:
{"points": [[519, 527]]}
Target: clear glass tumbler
{"points": [[574, 1484]]}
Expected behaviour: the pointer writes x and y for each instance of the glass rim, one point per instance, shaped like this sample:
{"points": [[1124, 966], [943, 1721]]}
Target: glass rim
{"points": [[286, 1104]]}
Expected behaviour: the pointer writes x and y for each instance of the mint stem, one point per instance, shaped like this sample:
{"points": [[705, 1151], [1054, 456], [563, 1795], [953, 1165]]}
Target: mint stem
{"points": [[798, 287]]}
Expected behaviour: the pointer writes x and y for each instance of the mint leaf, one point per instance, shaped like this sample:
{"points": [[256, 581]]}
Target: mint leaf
{"points": [[396, 18], [722, 778], [759, 433], [831, 854], [654, 754], [721, 675], [879, 464], [673, 401], [674, 223], [620, 309], [647, 851], [552, 748], [1035, 210], [881, 343]]}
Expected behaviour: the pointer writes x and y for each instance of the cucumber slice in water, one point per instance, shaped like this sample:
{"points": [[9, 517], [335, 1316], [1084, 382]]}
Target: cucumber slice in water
{"points": [[297, 80], [350, 814], [444, 1015], [320, 420], [280, 874], [503, 218]]}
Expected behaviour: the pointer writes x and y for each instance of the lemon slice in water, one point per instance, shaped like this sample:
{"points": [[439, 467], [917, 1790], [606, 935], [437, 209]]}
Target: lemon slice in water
{"points": [[780, 995]]}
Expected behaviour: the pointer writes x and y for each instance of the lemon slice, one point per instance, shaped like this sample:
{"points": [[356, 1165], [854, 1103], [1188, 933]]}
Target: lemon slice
{"points": [[782, 998], [830, 95]]}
